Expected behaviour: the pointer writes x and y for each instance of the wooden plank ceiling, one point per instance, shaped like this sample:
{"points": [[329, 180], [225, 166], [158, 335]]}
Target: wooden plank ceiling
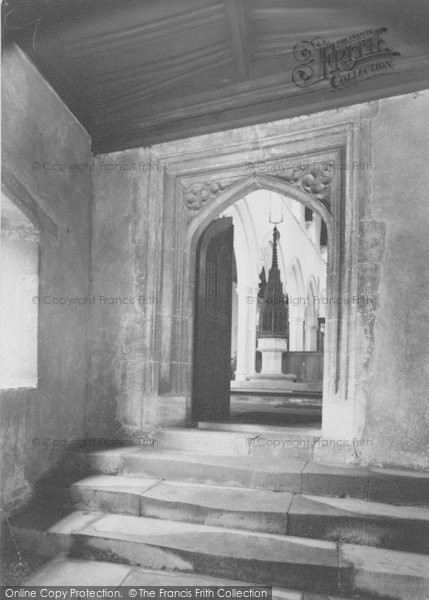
{"points": [[137, 72]]}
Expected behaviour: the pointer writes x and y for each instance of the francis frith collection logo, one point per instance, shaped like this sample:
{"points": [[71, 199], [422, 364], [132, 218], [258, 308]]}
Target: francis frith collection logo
{"points": [[345, 62]]}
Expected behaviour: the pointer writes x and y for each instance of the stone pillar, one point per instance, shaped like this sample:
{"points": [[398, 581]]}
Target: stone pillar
{"points": [[272, 352], [296, 334], [311, 338]]}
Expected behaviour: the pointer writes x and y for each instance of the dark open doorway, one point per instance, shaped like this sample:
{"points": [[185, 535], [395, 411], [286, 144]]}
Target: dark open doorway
{"points": [[232, 339]]}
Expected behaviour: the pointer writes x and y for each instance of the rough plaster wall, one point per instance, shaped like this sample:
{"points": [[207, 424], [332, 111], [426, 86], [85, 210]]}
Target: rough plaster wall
{"points": [[38, 127], [396, 416], [121, 233]]}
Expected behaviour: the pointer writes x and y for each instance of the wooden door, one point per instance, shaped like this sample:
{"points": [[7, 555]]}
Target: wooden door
{"points": [[213, 306]]}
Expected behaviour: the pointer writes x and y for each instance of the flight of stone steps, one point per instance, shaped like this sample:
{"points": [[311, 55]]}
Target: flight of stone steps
{"points": [[210, 507]]}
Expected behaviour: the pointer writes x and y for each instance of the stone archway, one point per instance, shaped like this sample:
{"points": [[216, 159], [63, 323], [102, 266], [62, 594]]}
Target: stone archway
{"points": [[224, 199], [196, 180]]}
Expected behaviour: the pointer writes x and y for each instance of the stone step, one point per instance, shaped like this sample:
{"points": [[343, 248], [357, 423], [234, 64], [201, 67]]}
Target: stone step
{"points": [[237, 508], [360, 522], [266, 559], [276, 474], [256, 428], [287, 444], [158, 544], [276, 398], [379, 573], [111, 493], [62, 572], [350, 520]]}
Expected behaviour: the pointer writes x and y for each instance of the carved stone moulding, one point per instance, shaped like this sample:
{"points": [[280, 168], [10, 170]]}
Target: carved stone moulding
{"points": [[316, 179], [197, 194]]}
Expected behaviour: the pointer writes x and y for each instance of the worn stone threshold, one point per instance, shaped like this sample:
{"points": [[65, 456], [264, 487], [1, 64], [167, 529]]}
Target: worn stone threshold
{"points": [[62, 572]]}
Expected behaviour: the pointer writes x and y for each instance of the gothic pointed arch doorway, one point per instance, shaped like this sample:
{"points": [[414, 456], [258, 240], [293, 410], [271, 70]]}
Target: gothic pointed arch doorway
{"points": [[212, 358], [199, 179]]}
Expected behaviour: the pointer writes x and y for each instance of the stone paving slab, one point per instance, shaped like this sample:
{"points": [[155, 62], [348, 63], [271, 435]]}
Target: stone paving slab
{"points": [[146, 577], [384, 573], [69, 572], [254, 510], [310, 596], [74, 572]]}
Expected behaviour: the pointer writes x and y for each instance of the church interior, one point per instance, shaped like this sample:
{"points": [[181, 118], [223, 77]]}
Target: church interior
{"points": [[277, 239], [214, 315]]}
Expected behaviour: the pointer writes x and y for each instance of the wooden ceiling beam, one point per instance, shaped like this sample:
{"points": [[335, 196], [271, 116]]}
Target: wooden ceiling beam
{"points": [[278, 108], [236, 18], [172, 109], [255, 92]]}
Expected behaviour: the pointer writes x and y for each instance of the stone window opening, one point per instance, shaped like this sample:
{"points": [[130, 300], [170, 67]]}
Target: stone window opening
{"points": [[19, 274]]}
